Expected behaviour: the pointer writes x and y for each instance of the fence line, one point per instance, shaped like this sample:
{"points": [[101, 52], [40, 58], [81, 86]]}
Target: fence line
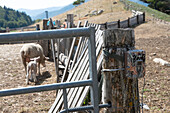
{"points": [[125, 23]]}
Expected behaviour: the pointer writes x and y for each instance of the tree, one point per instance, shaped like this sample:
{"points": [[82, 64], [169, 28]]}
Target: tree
{"points": [[160, 5], [18, 14], [11, 18], [6, 15], [5, 8], [78, 2], [2, 22]]}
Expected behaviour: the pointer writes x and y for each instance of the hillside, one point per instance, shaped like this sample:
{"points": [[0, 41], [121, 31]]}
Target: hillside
{"points": [[13, 19], [113, 12], [54, 12]]}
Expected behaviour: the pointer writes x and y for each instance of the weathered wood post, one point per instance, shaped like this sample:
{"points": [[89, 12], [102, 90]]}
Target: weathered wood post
{"points": [[128, 22], [58, 24], [143, 16], [106, 25], [45, 43], [137, 19], [70, 20], [45, 27], [68, 41], [37, 27], [118, 23], [118, 90], [52, 51]]}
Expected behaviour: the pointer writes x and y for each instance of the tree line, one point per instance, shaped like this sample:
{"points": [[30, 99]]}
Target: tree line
{"points": [[160, 5], [13, 19]]}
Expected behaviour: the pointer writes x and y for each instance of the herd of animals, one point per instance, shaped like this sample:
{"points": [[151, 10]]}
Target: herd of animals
{"points": [[32, 56]]}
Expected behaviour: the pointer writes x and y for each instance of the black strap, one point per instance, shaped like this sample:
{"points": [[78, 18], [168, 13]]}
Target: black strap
{"points": [[115, 56]]}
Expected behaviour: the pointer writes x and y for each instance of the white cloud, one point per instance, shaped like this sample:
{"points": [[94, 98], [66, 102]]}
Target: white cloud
{"points": [[34, 4]]}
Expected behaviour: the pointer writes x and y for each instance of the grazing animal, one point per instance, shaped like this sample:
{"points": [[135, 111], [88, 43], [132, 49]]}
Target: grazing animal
{"points": [[32, 66], [32, 50]]}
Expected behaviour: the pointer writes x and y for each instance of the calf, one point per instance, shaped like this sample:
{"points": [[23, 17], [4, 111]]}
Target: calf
{"points": [[32, 66]]}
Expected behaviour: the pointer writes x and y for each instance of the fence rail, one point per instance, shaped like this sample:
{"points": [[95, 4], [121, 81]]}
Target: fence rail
{"points": [[125, 23], [43, 35], [55, 34], [49, 87]]}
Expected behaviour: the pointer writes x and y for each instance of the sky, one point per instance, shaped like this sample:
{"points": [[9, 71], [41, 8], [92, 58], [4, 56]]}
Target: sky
{"points": [[34, 4]]}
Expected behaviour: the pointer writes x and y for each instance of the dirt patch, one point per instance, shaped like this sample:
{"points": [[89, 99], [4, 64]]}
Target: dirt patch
{"points": [[13, 76], [151, 29], [156, 90]]}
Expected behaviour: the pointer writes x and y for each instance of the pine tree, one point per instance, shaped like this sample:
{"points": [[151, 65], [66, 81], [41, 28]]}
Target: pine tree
{"points": [[11, 18]]}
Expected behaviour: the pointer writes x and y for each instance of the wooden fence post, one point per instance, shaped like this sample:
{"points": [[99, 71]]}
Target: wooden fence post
{"points": [[137, 19], [51, 26], [37, 27], [70, 20], [106, 25], [143, 16], [118, 22], [128, 22], [45, 27], [117, 89], [58, 24], [68, 41], [45, 43]]}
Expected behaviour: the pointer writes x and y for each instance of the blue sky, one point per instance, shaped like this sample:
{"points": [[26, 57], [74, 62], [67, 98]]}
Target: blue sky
{"points": [[34, 4]]}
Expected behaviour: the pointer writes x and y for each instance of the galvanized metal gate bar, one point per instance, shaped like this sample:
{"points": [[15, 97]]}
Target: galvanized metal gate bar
{"points": [[48, 87], [55, 34], [44, 35]]}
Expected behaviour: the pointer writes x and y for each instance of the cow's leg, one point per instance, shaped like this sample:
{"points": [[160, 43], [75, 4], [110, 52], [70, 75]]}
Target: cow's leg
{"points": [[39, 68], [35, 73], [32, 74], [27, 76], [25, 65]]}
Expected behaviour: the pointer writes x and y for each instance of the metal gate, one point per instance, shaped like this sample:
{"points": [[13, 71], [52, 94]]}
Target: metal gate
{"points": [[55, 34]]}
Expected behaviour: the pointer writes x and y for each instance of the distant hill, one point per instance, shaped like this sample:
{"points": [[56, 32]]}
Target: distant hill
{"points": [[56, 12], [13, 19], [34, 13]]}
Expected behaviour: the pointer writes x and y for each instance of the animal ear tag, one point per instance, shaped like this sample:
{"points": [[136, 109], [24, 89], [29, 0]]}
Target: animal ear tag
{"points": [[135, 63]]}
